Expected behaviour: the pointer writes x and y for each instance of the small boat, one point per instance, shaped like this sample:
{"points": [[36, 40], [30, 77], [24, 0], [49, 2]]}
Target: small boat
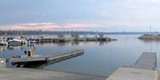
{"points": [[32, 40], [23, 41], [3, 42], [17, 42], [14, 42]]}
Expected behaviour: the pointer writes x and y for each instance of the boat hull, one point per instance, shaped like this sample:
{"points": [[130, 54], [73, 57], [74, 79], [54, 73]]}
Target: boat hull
{"points": [[3, 43], [14, 43]]}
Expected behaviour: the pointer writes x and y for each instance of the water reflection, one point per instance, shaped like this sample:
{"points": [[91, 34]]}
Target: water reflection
{"points": [[3, 48], [102, 43], [149, 41], [15, 47], [76, 43], [61, 44], [8, 47]]}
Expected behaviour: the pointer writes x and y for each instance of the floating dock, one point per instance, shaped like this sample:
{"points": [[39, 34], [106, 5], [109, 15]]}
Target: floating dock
{"points": [[45, 59], [143, 69]]}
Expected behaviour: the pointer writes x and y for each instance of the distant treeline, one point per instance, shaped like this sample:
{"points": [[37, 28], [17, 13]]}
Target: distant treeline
{"points": [[64, 32], [45, 32]]}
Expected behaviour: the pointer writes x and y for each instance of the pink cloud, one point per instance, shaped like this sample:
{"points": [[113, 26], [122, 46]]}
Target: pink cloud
{"points": [[31, 26], [69, 26], [80, 25], [49, 26]]}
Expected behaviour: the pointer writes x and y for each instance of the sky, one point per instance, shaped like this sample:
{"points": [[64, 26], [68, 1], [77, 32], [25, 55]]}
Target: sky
{"points": [[80, 15]]}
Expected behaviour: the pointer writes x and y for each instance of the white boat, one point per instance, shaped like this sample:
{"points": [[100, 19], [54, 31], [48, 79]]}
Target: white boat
{"points": [[24, 41], [32, 41], [17, 41], [3, 42], [14, 42]]}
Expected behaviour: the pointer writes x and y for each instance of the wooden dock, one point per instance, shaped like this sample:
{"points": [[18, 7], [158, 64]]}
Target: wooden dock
{"points": [[147, 61], [50, 58]]}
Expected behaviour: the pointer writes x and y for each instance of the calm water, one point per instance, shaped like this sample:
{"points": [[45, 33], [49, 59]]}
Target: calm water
{"points": [[99, 58]]}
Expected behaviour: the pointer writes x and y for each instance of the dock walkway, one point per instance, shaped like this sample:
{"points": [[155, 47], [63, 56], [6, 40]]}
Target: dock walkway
{"points": [[146, 61], [144, 69], [35, 74]]}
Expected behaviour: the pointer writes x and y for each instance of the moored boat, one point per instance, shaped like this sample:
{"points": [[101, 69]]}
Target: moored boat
{"points": [[3, 42], [17, 42], [14, 42]]}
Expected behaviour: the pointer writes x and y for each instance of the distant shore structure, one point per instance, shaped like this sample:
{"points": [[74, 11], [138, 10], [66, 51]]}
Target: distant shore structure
{"points": [[74, 38], [150, 35], [155, 36]]}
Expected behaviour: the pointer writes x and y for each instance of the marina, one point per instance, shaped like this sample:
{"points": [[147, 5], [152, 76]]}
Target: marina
{"points": [[98, 54], [79, 40]]}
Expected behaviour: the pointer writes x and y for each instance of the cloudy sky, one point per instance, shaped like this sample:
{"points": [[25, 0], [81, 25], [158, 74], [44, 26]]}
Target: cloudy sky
{"points": [[94, 15]]}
